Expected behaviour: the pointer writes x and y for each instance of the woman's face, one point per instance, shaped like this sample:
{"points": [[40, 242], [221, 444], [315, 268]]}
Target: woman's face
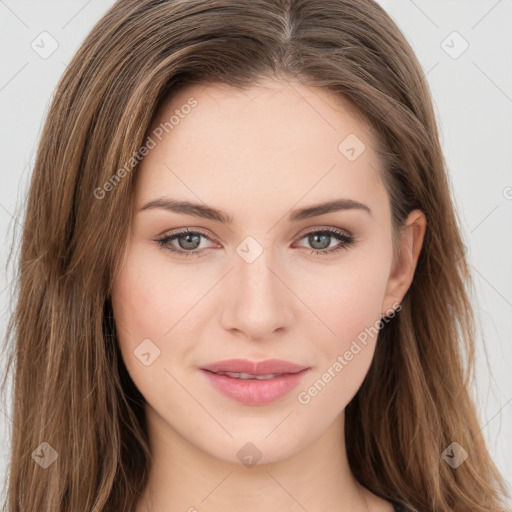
{"points": [[254, 288]]}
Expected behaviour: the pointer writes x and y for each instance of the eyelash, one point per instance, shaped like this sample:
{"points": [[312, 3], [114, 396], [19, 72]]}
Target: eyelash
{"points": [[346, 240]]}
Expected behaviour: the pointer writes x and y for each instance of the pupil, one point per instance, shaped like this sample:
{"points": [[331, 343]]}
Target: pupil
{"points": [[187, 238], [313, 240]]}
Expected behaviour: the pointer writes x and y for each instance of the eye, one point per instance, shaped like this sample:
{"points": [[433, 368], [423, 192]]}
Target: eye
{"points": [[189, 241], [320, 240]]}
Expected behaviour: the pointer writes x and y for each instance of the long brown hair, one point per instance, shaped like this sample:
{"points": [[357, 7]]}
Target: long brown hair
{"points": [[71, 389]]}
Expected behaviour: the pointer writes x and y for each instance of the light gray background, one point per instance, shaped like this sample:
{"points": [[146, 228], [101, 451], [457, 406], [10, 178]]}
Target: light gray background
{"points": [[473, 101]]}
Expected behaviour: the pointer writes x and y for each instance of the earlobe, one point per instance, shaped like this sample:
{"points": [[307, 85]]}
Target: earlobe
{"points": [[401, 276]]}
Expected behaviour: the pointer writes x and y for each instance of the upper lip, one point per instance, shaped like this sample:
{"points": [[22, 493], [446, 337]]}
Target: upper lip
{"points": [[266, 367]]}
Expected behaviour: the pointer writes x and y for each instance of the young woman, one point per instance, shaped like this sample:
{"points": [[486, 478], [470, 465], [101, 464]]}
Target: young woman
{"points": [[242, 282]]}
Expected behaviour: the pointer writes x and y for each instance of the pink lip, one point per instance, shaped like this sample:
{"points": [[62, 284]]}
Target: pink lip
{"points": [[252, 391], [254, 367]]}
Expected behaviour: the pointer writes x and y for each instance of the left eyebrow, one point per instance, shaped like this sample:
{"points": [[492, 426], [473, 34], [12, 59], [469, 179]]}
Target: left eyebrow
{"points": [[208, 212], [331, 206]]}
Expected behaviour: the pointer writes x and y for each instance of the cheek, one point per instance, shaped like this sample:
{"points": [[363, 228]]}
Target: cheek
{"points": [[145, 309], [134, 297], [348, 297], [149, 297], [350, 306], [140, 302], [153, 300]]}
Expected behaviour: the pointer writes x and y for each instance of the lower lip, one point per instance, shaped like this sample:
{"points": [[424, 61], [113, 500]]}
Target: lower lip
{"points": [[252, 391]]}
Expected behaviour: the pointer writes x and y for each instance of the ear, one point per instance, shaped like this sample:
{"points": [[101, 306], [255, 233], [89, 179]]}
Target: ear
{"points": [[402, 273]]}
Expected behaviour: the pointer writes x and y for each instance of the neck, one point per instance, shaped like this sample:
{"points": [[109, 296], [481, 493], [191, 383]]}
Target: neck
{"points": [[185, 477]]}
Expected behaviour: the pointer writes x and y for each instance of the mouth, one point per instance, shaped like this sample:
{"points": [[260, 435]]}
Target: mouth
{"points": [[254, 389], [247, 376], [254, 368]]}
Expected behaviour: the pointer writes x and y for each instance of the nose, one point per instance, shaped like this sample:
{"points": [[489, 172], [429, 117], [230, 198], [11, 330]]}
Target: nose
{"points": [[259, 304]]}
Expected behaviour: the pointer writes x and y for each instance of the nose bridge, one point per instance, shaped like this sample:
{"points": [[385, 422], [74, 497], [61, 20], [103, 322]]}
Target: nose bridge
{"points": [[259, 302]]}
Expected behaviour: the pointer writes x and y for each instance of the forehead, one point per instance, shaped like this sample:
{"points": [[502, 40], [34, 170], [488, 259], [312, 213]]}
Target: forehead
{"points": [[222, 142]]}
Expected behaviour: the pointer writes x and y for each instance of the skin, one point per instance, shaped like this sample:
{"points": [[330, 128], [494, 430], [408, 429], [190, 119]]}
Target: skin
{"points": [[257, 154]]}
